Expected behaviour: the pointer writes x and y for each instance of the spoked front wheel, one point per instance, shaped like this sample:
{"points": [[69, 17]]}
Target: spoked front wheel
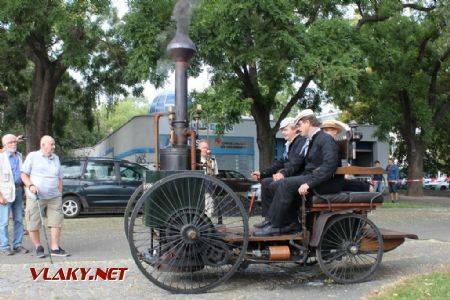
{"points": [[130, 206], [192, 234], [350, 249]]}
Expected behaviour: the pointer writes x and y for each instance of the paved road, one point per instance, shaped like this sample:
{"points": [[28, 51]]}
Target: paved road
{"points": [[99, 242]]}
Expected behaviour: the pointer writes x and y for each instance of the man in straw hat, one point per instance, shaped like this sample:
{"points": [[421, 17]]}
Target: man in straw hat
{"points": [[334, 128], [331, 127], [279, 169], [317, 161]]}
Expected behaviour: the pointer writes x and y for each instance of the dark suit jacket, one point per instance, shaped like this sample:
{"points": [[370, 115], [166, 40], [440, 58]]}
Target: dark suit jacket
{"points": [[281, 165], [320, 163]]}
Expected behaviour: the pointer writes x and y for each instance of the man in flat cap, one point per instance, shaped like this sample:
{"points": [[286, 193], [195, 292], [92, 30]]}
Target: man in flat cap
{"points": [[279, 169], [317, 161]]}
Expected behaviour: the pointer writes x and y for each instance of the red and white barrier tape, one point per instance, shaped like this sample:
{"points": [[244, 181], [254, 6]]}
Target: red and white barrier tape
{"points": [[399, 180]]}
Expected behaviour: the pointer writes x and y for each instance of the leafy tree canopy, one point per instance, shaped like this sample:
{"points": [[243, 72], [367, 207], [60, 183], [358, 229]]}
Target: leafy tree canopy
{"points": [[41, 40], [405, 87], [262, 54]]}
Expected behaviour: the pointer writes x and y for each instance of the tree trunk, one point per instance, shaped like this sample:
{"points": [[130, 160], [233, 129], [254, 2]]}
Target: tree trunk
{"points": [[47, 75], [40, 107], [415, 147], [266, 145], [415, 150], [265, 136]]}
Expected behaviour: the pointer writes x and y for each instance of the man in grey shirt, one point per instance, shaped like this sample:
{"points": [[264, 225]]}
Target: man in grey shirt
{"points": [[41, 174]]}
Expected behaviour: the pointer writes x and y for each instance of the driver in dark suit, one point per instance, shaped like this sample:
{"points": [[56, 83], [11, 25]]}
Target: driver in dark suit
{"points": [[280, 169], [317, 162]]}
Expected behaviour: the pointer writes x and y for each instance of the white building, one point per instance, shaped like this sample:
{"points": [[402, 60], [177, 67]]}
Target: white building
{"points": [[236, 149]]}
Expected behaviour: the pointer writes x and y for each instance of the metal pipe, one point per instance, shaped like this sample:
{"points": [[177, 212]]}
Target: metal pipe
{"points": [[156, 118], [193, 135], [180, 53], [180, 123], [181, 49]]}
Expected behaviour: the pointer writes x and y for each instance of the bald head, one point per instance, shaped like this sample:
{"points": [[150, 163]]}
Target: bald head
{"points": [[47, 145], [204, 147], [47, 139]]}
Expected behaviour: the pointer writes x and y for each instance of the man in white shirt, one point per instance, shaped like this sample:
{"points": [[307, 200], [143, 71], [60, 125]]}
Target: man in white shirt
{"points": [[42, 176], [206, 159], [11, 193]]}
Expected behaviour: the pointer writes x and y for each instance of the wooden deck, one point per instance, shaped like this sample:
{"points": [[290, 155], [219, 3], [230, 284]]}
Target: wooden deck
{"points": [[234, 236], [392, 239]]}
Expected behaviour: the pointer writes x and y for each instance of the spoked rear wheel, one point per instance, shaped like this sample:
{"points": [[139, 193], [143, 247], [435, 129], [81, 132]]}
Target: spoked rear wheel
{"points": [[350, 249], [192, 234]]}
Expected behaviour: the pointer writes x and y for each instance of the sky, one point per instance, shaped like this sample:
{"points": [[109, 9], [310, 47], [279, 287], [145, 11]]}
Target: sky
{"points": [[199, 84]]}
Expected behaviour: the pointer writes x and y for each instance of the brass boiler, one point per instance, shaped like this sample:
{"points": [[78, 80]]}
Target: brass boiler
{"points": [[273, 253]]}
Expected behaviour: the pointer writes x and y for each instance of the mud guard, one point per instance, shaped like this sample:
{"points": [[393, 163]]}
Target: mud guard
{"points": [[320, 225]]}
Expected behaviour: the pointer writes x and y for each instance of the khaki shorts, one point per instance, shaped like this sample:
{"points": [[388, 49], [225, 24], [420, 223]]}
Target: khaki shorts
{"points": [[52, 208]]}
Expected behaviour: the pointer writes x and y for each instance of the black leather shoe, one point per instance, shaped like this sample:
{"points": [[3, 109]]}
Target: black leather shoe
{"points": [[262, 224], [267, 231], [293, 227]]}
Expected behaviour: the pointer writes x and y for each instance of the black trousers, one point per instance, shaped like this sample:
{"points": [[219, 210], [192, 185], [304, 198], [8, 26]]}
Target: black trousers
{"points": [[354, 185], [286, 200], [268, 188]]}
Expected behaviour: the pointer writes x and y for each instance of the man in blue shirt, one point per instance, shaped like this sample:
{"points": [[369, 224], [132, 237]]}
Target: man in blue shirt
{"points": [[42, 176], [11, 194], [393, 175]]}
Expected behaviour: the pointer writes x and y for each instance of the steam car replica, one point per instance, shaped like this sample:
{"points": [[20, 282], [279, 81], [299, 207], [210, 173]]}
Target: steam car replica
{"points": [[189, 232]]}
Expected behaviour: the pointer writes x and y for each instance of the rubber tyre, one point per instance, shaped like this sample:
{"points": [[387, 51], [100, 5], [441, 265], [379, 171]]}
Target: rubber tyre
{"points": [[71, 207], [130, 205], [170, 259], [350, 249]]}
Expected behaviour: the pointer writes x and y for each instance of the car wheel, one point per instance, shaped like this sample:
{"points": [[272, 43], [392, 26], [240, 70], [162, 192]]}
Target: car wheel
{"points": [[71, 206], [442, 188]]}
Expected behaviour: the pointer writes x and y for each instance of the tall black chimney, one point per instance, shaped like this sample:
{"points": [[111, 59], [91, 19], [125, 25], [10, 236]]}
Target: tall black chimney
{"points": [[181, 49]]}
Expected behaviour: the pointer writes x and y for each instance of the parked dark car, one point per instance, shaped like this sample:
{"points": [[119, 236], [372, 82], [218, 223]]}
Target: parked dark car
{"points": [[235, 180], [98, 184]]}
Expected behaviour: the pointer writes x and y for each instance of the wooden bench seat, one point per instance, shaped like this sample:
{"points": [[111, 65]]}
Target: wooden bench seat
{"points": [[343, 206], [355, 170], [349, 200]]}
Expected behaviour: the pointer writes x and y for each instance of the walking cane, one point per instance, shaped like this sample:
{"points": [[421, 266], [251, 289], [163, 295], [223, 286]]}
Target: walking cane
{"points": [[252, 202], [43, 228]]}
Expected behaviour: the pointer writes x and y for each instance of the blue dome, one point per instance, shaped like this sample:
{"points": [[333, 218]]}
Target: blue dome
{"points": [[162, 102]]}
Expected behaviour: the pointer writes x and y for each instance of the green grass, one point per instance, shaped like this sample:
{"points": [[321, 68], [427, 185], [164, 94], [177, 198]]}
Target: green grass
{"points": [[405, 205], [432, 286]]}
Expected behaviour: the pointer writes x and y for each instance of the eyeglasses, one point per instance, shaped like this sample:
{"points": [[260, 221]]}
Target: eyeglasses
{"points": [[12, 142]]}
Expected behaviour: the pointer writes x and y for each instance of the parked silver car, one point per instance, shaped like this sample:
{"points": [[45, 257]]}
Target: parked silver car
{"points": [[441, 184]]}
